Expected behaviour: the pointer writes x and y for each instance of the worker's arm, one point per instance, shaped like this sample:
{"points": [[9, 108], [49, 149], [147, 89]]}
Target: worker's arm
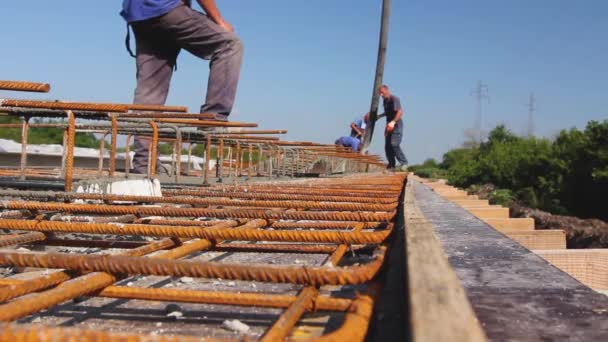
{"points": [[399, 115], [381, 116], [213, 12], [356, 128], [390, 126]]}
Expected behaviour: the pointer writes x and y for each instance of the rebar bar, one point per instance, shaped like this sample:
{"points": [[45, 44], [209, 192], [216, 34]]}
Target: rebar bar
{"points": [[203, 212], [25, 86], [103, 107], [222, 298], [375, 237], [314, 276]]}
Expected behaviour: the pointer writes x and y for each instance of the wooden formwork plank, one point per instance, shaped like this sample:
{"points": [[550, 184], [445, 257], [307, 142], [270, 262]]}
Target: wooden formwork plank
{"points": [[471, 202], [511, 224], [482, 206], [449, 191], [486, 213], [460, 197], [539, 239], [589, 266], [439, 307]]}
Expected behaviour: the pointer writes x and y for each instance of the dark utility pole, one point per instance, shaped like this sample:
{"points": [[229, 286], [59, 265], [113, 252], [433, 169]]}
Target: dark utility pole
{"points": [[373, 112]]}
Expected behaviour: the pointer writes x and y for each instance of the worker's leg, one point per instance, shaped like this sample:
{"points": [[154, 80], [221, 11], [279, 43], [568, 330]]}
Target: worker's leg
{"points": [[156, 56], [396, 138], [201, 36], [388, 149]]}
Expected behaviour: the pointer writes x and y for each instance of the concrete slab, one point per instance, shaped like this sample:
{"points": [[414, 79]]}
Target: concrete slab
{"points": [[515, 293]]}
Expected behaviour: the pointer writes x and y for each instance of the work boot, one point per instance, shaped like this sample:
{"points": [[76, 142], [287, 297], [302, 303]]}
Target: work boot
{"points": [[218, 117], [160, 170]]}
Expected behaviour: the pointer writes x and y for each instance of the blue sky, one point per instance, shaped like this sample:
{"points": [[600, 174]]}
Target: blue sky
{"points": [[309, 65]]}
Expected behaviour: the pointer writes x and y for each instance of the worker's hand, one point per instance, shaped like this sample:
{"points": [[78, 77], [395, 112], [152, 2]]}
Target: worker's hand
{"points": [[390, 127], [226, 25]]}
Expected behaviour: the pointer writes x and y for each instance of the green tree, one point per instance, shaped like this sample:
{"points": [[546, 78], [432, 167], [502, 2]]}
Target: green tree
{"points": [[583, 159], [568, 175], [45, 135]]}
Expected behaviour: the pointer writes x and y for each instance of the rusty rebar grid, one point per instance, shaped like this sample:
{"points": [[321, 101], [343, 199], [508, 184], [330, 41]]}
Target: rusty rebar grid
{"points": [[324, 216]]}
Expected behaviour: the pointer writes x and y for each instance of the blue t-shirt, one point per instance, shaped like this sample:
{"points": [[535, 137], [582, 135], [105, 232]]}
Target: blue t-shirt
{"points": [[351, 142], [362, 125], [138, 10]]}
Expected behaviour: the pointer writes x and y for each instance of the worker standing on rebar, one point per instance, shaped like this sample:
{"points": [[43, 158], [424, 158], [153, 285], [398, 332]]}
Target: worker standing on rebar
{"points": [[393, 134], [162, 28]]}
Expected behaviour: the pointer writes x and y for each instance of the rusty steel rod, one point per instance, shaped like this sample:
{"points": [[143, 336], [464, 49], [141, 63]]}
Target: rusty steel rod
{"points": [[313, 276], [221, 298], [276, 196], [153, 151], [102, 107], [203, 212], [69, 155], [217, 233], [281, 327], [156, 108], [113, 146], [25, 86], [21, 239], [24, 136], [327, 206]]}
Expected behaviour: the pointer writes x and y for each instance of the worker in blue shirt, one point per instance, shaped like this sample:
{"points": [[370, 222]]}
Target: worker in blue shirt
{"points": [[358, 127], [164, 27], [351, 142]]}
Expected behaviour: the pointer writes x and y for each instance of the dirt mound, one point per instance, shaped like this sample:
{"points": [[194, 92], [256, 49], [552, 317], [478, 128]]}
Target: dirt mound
{"points": [[580, 233]]}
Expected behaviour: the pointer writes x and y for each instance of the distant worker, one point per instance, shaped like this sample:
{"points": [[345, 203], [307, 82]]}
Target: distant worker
{"points": [[351, 142], [358, 127], [162, 28], [393, 133]]}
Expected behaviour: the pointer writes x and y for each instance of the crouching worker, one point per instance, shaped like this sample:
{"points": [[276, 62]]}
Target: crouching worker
{"points": [[351, 142]]}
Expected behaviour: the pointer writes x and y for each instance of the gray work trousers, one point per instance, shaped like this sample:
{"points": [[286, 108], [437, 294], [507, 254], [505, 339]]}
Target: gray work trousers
{"points": [[392, 146], [159, 41]]}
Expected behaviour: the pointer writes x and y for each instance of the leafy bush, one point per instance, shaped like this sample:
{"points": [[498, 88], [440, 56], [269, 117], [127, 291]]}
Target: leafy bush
{"points": [[567, 176], [45, 135], [429, 169], [462, 167], [502, 197]]}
